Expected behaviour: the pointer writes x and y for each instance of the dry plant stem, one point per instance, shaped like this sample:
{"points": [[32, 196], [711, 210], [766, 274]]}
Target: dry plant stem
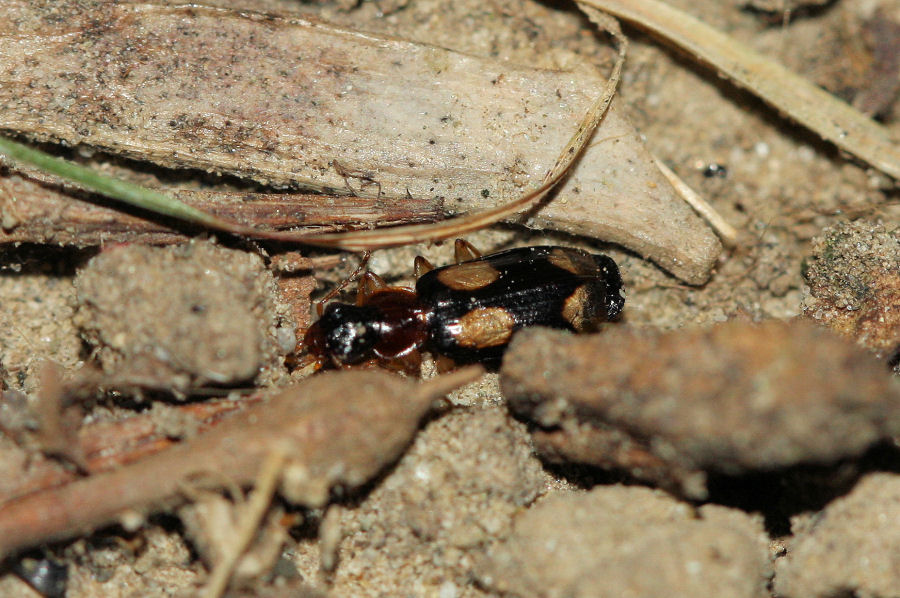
{"points": [[333, 437], [40, 214], [725, 231], [807, 104], [252, 515], [34, 213]]}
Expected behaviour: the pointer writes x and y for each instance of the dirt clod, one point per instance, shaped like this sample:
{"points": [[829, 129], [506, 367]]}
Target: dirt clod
{"points": [[733, 398], [851, 548], [853, 275], [179, 317], [608, 541]]}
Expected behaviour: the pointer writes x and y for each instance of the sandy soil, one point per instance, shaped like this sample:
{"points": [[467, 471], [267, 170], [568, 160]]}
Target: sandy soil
{"points": [[485, 502]]}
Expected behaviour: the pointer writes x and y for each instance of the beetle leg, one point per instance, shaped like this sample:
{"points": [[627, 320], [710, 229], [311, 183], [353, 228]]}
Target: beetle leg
{"points": [[368, 284], [410, 364], [421, 266], [465, 251], [307, 365], [444, 364]]}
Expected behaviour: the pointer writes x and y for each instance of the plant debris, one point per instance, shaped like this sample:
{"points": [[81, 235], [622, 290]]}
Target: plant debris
{"points": [[439, 126], [671, 406], [329, 437], [35, 210], [794, 96], [100, 445]]}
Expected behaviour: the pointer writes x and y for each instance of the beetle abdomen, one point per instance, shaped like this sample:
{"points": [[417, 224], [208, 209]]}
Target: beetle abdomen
{"points": [[475, 306]]}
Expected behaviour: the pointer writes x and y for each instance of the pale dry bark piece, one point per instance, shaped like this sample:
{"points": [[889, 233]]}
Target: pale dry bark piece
{"points": [[331, 437], [313, 105]]}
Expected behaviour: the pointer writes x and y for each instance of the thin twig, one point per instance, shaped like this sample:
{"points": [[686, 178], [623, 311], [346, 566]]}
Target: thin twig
{"points": [[43, 209], [333, 438], [725, 231], [110, 445]]}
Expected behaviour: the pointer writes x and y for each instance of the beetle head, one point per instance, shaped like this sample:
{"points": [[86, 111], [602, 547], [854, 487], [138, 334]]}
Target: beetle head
{"points": [[349, 331]]}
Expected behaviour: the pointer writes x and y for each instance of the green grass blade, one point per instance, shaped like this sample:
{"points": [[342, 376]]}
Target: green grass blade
{"points": [[117, 189]]}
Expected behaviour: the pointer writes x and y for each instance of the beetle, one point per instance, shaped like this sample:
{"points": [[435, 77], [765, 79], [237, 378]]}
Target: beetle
{"points": [[468, 311]]}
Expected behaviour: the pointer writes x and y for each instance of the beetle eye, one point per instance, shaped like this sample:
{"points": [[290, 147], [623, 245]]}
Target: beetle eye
{"points": [[350, 331]]}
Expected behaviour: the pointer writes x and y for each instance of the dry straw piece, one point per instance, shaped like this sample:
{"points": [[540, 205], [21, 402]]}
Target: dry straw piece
{"points": [[800, 100]]}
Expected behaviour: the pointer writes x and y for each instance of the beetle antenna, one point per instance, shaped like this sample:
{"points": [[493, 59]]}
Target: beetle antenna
{"points": [[363, 262]]}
